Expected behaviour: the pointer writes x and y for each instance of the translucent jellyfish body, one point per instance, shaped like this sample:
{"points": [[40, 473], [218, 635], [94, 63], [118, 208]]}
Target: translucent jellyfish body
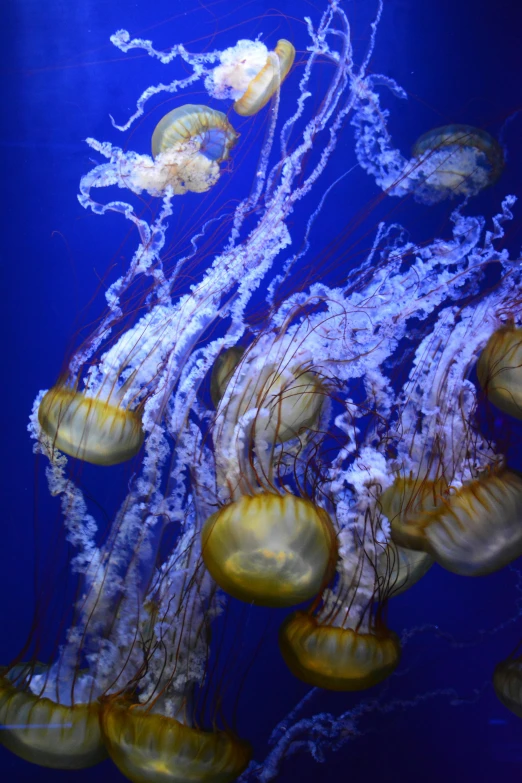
{"points": [[458, 159], [499, 370], [44, 732], [507, 681], [188, 144], [401, 568], [403, 502], [222, 370], [270, 549], [250, 74], [151, 748], [291, 396], [91, 429], [336, 658], [475, 530]]}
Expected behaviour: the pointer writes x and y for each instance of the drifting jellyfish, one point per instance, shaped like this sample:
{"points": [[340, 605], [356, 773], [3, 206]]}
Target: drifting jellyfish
{"points": [[402, 568], [43, 731], [270, 549], [499, 370], [92, 429], [147, 747], [476, 529], [447, 162], [336, 658], [250, 74], [507, 682]]}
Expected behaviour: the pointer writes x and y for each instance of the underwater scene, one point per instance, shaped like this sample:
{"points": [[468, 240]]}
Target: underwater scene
{"points": [[262, 466]]}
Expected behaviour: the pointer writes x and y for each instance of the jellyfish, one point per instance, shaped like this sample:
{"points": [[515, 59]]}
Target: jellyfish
{"points": [[150, 747], [403, 568], [507, 682], [474, 531], [499, 370], [90, 428], [337, 658], [250, 74], [42, 730], [447, 162], [270, 549]]}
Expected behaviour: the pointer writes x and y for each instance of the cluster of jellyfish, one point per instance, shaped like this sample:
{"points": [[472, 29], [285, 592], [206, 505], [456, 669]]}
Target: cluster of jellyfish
{"points": [[286, 492]]}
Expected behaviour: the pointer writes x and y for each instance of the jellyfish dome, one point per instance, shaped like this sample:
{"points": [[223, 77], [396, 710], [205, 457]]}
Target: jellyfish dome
{"points": [[336, 658], [38, 728], [463, 159], [499, 370], [270, 549], [88, 428], [151, 748], [507, 682], [250, 74]]}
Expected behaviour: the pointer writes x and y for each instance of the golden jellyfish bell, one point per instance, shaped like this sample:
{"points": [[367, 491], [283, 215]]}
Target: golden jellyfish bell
{"points": [[90, 429], [469, 151], [507, 682], [222, 370], [499, 370], [152, 748], [402, 568], [293, 398], [44, 732], [339, 659], [477, 530], [188, 144], [272, 550], [403, 502], [268, 80]]}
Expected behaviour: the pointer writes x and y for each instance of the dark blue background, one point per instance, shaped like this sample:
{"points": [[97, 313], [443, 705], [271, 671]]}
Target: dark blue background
{"points": [[459, 61]]}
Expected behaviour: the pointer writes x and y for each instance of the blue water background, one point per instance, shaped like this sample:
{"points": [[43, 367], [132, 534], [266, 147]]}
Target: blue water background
{"points": [[459, 61]]}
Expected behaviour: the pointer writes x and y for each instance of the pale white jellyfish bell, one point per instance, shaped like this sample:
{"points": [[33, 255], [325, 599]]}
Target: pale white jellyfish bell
{"points": [[250, 75], [239, 64]]}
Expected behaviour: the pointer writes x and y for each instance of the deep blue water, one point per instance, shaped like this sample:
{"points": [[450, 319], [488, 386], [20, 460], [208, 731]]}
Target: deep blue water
{"points": [[459, 61]]}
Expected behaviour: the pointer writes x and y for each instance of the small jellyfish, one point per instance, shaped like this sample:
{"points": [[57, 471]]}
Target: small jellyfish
{"points": [[92, 429], [188, 145], [151, 747], [507, 682], [250, 74], [222, 370], [273, 550], [403, 502], [457, 160], [473, 531], [499, 370], [45, 732], [336, 658], [402, 568], [268, 80], [292, 397]]}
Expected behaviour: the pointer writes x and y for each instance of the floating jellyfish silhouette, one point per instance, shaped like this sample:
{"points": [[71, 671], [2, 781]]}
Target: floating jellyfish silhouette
{"points": [[290, 395], [43, 731], [499, 370], [188, 144], [222, 370], [458, 160], [402, 568], [336, 658], [273, 550], [475, 530], [148, 747], [507, 682], [250, 74], [92, 429]]}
